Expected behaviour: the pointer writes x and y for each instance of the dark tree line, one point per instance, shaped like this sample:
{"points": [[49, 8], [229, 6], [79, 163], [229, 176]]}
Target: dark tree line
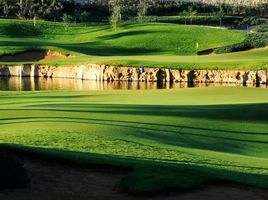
{"points": [[47, 9], [118, 10]]}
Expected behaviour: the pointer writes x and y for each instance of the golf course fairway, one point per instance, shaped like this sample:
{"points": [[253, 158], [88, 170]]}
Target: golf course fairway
{"points": [[149, 44], [167, 138]]}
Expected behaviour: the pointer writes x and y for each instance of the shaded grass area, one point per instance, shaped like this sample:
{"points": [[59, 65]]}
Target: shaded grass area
{"points": [[150, 44], [169, 138]]}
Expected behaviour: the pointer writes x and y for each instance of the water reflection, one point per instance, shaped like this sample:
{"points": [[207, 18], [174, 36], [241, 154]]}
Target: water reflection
{"points": [[31, 84]]}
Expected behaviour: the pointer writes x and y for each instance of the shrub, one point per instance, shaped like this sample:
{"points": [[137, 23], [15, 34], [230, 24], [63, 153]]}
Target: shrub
{"points": [[20, 30], [253, 40], [262, 28], [85, 17], [257, 40], [197, 20], [68, 18]]}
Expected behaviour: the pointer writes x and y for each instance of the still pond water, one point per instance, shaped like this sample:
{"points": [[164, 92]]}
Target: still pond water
{"points": [[32, 84]]}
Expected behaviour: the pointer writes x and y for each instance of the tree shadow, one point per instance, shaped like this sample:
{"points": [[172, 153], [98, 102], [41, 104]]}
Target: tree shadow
{"points": [[17, 30], [196, 136], [175, 136], [125, 34], [97, 49], [87, 48], [137, 165], [235, 112]]}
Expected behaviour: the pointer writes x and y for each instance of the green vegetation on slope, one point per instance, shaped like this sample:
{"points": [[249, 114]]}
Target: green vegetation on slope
{"points": [[171, 138], [135, 39], [153, 44]]}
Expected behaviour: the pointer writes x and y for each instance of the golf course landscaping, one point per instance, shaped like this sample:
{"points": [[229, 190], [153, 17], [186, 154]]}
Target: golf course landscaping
{"points": [[176, 139], [167, 138], [149, 44]]}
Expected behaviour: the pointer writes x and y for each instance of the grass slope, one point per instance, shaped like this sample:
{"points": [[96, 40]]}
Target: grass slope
{"points": [[171, 138], [132, 39], [152, 44]]}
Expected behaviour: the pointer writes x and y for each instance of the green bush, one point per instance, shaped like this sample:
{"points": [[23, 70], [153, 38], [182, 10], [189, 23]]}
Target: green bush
{"points": [[20, 30], [254, 40], [197, 20], [85, 17], [68, 18], [262, 28]]}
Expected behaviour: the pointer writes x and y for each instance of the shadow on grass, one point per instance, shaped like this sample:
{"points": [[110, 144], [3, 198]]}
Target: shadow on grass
{"points": [[194, 136], [18, 30], [88, 48], [145, 176], [236, 112], [125, 34], [97, 49], [173, 135]]}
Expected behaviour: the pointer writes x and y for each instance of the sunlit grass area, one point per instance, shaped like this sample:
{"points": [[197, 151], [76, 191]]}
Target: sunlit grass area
{"points": [[170, 138], [151, 44]]}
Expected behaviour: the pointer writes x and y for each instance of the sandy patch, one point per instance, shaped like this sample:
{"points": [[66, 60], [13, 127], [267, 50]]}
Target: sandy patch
{"points": [[33, 56]]}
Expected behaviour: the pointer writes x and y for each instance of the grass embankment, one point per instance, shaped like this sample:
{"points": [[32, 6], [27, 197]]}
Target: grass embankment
{"points": [[151, 44], [171, 138]]}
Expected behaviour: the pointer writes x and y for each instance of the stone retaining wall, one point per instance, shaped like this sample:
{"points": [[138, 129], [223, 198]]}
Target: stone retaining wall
{"points": [[112, 73]]}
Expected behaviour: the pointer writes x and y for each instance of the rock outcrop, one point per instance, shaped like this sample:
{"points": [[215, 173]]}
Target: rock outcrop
{"points": [[113, 73]]}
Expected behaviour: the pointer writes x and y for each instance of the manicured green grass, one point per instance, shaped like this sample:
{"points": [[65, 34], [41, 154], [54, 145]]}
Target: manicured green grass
{"points": [[101, 40], [254, 59], [152, 44], [171, 138]]}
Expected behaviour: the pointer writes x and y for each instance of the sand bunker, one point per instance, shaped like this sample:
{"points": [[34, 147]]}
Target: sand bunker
{"points": [[205, 52], [33, 56]]}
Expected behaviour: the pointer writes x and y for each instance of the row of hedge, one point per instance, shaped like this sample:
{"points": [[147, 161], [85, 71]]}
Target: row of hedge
{"points": [[263, 28], [253, 40], [197, 20]]}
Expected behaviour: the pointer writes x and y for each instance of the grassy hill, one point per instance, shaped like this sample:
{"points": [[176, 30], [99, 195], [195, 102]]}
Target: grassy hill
{"points": [[170, 138], [137, 39], [153, 44]]}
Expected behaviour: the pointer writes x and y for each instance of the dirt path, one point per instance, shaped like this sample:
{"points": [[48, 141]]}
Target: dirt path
{"points": [[57, 181]]}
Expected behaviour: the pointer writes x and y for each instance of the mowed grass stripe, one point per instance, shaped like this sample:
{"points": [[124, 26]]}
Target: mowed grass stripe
{"points": [[207, 129]]}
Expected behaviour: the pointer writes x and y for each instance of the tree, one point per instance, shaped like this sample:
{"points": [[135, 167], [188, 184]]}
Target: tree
{"points": [[185, 16], [178, 2], [53, 7], [9, 7], [85, 17], [67, 19], [249, 21], [35, 9], [116, 15], [142, 10], [21, 4], [220, 14], [191, 13]]}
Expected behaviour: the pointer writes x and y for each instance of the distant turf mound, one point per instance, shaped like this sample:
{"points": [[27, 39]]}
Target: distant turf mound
{"points": [[101, 40]]}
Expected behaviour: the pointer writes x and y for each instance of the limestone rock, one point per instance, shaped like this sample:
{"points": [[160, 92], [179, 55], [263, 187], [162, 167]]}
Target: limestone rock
{"points": [[113, 73]]}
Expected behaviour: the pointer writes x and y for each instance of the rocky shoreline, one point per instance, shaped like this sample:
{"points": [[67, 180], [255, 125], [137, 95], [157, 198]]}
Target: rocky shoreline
{"points": [[113, 73]]}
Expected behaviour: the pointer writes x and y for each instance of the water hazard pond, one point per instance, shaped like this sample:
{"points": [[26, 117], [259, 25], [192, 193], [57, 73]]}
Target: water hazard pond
{"points": [[32, 84]]}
